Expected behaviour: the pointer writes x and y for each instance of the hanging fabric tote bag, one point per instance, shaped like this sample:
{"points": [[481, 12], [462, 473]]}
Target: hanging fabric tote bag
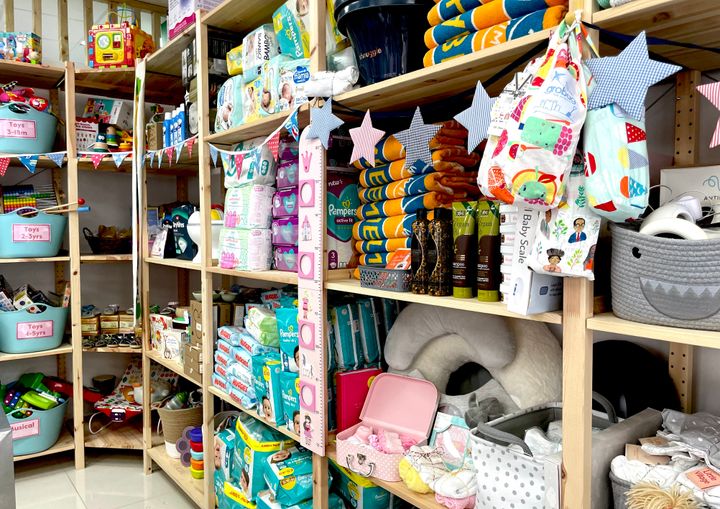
{"points": [[536, 149]]}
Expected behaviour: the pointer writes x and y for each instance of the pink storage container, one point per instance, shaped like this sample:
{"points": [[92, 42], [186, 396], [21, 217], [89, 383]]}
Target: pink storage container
{"points": [[395, 403]]}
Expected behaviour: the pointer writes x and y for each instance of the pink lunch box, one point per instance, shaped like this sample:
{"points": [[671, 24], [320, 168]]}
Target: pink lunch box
{"points": [[395, 403]]}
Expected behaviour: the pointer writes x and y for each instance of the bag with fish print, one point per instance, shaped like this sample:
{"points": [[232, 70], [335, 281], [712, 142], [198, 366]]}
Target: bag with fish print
{"points": [[536, 149]]}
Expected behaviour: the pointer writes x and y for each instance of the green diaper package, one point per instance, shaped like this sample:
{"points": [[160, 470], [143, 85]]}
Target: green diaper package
{"points": [[287, 325], [261, 323], [288, 474], [266, 500], [290, 386]]}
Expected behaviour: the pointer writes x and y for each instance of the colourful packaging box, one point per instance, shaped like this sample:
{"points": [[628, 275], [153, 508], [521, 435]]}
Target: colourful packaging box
{"points": [[342, 204], [285, 203], [285, 258], [359, 490], [224, 447], [290, 79], [259, 46], [229, 105], [290, 28]]}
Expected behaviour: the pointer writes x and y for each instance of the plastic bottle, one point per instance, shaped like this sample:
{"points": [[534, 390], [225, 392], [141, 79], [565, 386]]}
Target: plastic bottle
{"points": [[182, 124], [440, 241], [167, 123], [177, 402], [419, 254]]}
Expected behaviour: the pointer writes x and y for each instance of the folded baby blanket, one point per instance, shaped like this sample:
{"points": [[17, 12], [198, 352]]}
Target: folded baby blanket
{"points": [[481, 15], [406, 205], [396, 170], [420, 184], [383, 245], [384, 227], [497, 34]]}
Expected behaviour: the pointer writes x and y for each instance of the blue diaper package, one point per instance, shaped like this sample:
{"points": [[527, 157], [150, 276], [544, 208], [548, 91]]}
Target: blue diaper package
{"points": [[290, 30], [254, 443], [290, 394], [345, 327], [239, 337], [242, 398], [288, 331], [244, 387], [224, 447], [288, 474], [258, 363], [368, 321]]}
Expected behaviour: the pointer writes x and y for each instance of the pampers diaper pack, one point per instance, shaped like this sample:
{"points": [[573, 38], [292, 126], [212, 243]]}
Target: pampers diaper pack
{"points": [[292, 75], [285, 231], [287, 170], [259, 46], [229, 104], [287, 324], [290, 387], [234, 61], [285, 203], [342, 204], [254, 443], [288, 474], [272, 406], [369, 319], [360, 491], [289, 22], [344, 322], [248, 207], [258, 165], [245, 249], [285, 258], [224, 447]]}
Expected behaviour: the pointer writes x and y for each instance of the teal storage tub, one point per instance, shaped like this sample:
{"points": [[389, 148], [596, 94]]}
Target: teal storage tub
{"points": [[24, 332], [38, 236], [25, 130], [37, 432]]}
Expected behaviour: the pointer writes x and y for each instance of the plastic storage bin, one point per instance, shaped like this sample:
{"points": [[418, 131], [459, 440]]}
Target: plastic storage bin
{"points": [[23, 129], [31, 237], [23, 332], [37, 432]]}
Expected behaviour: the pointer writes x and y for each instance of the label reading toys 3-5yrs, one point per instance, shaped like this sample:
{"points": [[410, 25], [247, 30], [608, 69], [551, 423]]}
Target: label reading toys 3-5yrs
{"points": [[25, 429], [34, 330], [17, 129], [31, 233]]}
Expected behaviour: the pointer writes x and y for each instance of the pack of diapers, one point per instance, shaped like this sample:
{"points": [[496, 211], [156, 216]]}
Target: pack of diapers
{"points": [[285, 231], [266, 376], [342, 203], [245, 249], [258, 165], [258, 363], [260, 96], [368, 321], [229, 105], [285, 258], [288, 474], [344, 322], [291, 77], [390, 312], [360, 491], [254, 443], [234, 61], [291, 29], [288, 163], [249, 207], [232, 496], [285, 203], [261, 323], [290, 394], [258, 47], [287, 325], [224, 447], [266, 500]]}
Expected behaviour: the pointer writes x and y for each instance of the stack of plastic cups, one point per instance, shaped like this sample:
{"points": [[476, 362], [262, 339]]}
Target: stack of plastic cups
{"points": [[508, 223], [197, 465]]}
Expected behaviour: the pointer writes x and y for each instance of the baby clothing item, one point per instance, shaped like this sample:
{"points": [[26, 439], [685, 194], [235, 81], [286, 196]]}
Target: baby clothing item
{"points": [[330, 84], [421, 467]]}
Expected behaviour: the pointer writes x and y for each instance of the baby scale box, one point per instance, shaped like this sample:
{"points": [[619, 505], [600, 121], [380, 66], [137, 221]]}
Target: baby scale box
{"points": [[395, 403]]}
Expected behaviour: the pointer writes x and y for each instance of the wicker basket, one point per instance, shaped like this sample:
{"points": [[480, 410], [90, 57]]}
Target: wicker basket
{"points": [[393, 280], [101, 245], [662, 281], [173, 422]]}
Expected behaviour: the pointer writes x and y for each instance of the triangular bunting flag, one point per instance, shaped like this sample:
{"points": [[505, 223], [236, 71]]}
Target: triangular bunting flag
{"points": [[274, 145], [160, 154], [239, 161], [4, 163], [30, 162], [189, 144], [634, 133], [213, 155], [119, 157], [636, 160], [151, 156], [57, 157], [96, 158], [291, 125], [169, 153], [178, 152], [225, 158]]}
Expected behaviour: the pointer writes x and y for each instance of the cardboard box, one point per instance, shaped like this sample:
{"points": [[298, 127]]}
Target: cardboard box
{"points": [[238, 314], [109, 324], [192, 362], [158, 324], [222, 315], [90, 326], [154, 136], [196, 322], [126, 323], [181, 14], [109, 111], [86, 131]]}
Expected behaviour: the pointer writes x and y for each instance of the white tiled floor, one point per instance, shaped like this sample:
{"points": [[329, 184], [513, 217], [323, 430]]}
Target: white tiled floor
{"points": [[111, 480]]}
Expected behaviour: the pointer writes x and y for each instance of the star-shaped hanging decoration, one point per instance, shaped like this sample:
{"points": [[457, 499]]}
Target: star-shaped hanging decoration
{"points": [[322, 123], [711, 91], [476, 119], [416, 140], [364, 140], [624, 79]]}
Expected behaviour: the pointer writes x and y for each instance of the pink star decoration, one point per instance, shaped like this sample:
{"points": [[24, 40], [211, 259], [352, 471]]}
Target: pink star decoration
{"points": [[712, 92], [365, 138]]}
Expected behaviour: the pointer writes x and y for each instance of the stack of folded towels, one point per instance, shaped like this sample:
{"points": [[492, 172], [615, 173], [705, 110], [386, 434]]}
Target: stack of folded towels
{"points": [[391, 193], [464, 26]]}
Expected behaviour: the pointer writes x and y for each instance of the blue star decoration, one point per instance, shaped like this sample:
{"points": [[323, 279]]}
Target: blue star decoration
{"points": [[322, 123], [416, 140], [476, 119], [624, 79]]}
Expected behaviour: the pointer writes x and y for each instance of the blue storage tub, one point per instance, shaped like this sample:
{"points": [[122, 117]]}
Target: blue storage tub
{"points": [[25, 130], [37, 432], [31, 237], [24, 332]]}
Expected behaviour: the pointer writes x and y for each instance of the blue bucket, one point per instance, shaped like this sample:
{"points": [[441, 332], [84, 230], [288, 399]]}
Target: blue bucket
{"points": [[37, 432], [31, 237], [23, 129], [25, 332]]}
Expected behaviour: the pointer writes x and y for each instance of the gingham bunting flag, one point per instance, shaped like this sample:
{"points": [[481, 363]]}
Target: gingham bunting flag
{"points": [[476, 119], [364, 140], [213, 155], [96, 159], [322, 123], [4, 163], [624, 79], [416, 139], [189, 144], [178, 152], [711, 91], [57, 157]]}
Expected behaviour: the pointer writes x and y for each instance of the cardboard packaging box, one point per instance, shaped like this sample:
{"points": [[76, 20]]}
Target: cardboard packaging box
{"points": [[222, 315], [86, 131], [109, 111], [109, 324], [154, 136], [90, 326], [192, 362], [126, 323], [181, 14]]}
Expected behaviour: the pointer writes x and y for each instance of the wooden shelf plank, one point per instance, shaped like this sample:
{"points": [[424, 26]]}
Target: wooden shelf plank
{"points": [[120, 83], [194, 488], [252, 413], [474, 305], [261, 127], [64, 443], [51, 259], [608, 322], [117, 349], [274, 276], [398, 489], [127, 435], [242, 16], [105, 258], [31, 75], [61, 350], [173, 366], [166, 60], [173, 262]]}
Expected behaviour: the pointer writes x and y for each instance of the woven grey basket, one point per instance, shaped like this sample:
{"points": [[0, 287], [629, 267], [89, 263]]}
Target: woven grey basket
{"points": [[620, 488], [661, 281]]}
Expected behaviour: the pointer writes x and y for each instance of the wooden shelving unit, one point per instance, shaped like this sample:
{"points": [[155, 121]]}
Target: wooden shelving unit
{"points": [[127, 435], [173, 366], [54, 259], [193, 488], [172, 262], [63, 349], [66, 442]]}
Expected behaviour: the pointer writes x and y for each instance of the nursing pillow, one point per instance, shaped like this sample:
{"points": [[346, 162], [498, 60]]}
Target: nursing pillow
{"points": [[523, 357]]}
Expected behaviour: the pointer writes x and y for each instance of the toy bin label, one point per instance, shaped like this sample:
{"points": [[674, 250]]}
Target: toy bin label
{"points": [[34, 330], [17, 128], [31, 233], [25, 429]]}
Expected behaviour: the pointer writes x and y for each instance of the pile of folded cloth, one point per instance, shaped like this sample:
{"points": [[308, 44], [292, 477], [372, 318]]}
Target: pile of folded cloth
{"points": [[391, 193], [464, 26]]}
